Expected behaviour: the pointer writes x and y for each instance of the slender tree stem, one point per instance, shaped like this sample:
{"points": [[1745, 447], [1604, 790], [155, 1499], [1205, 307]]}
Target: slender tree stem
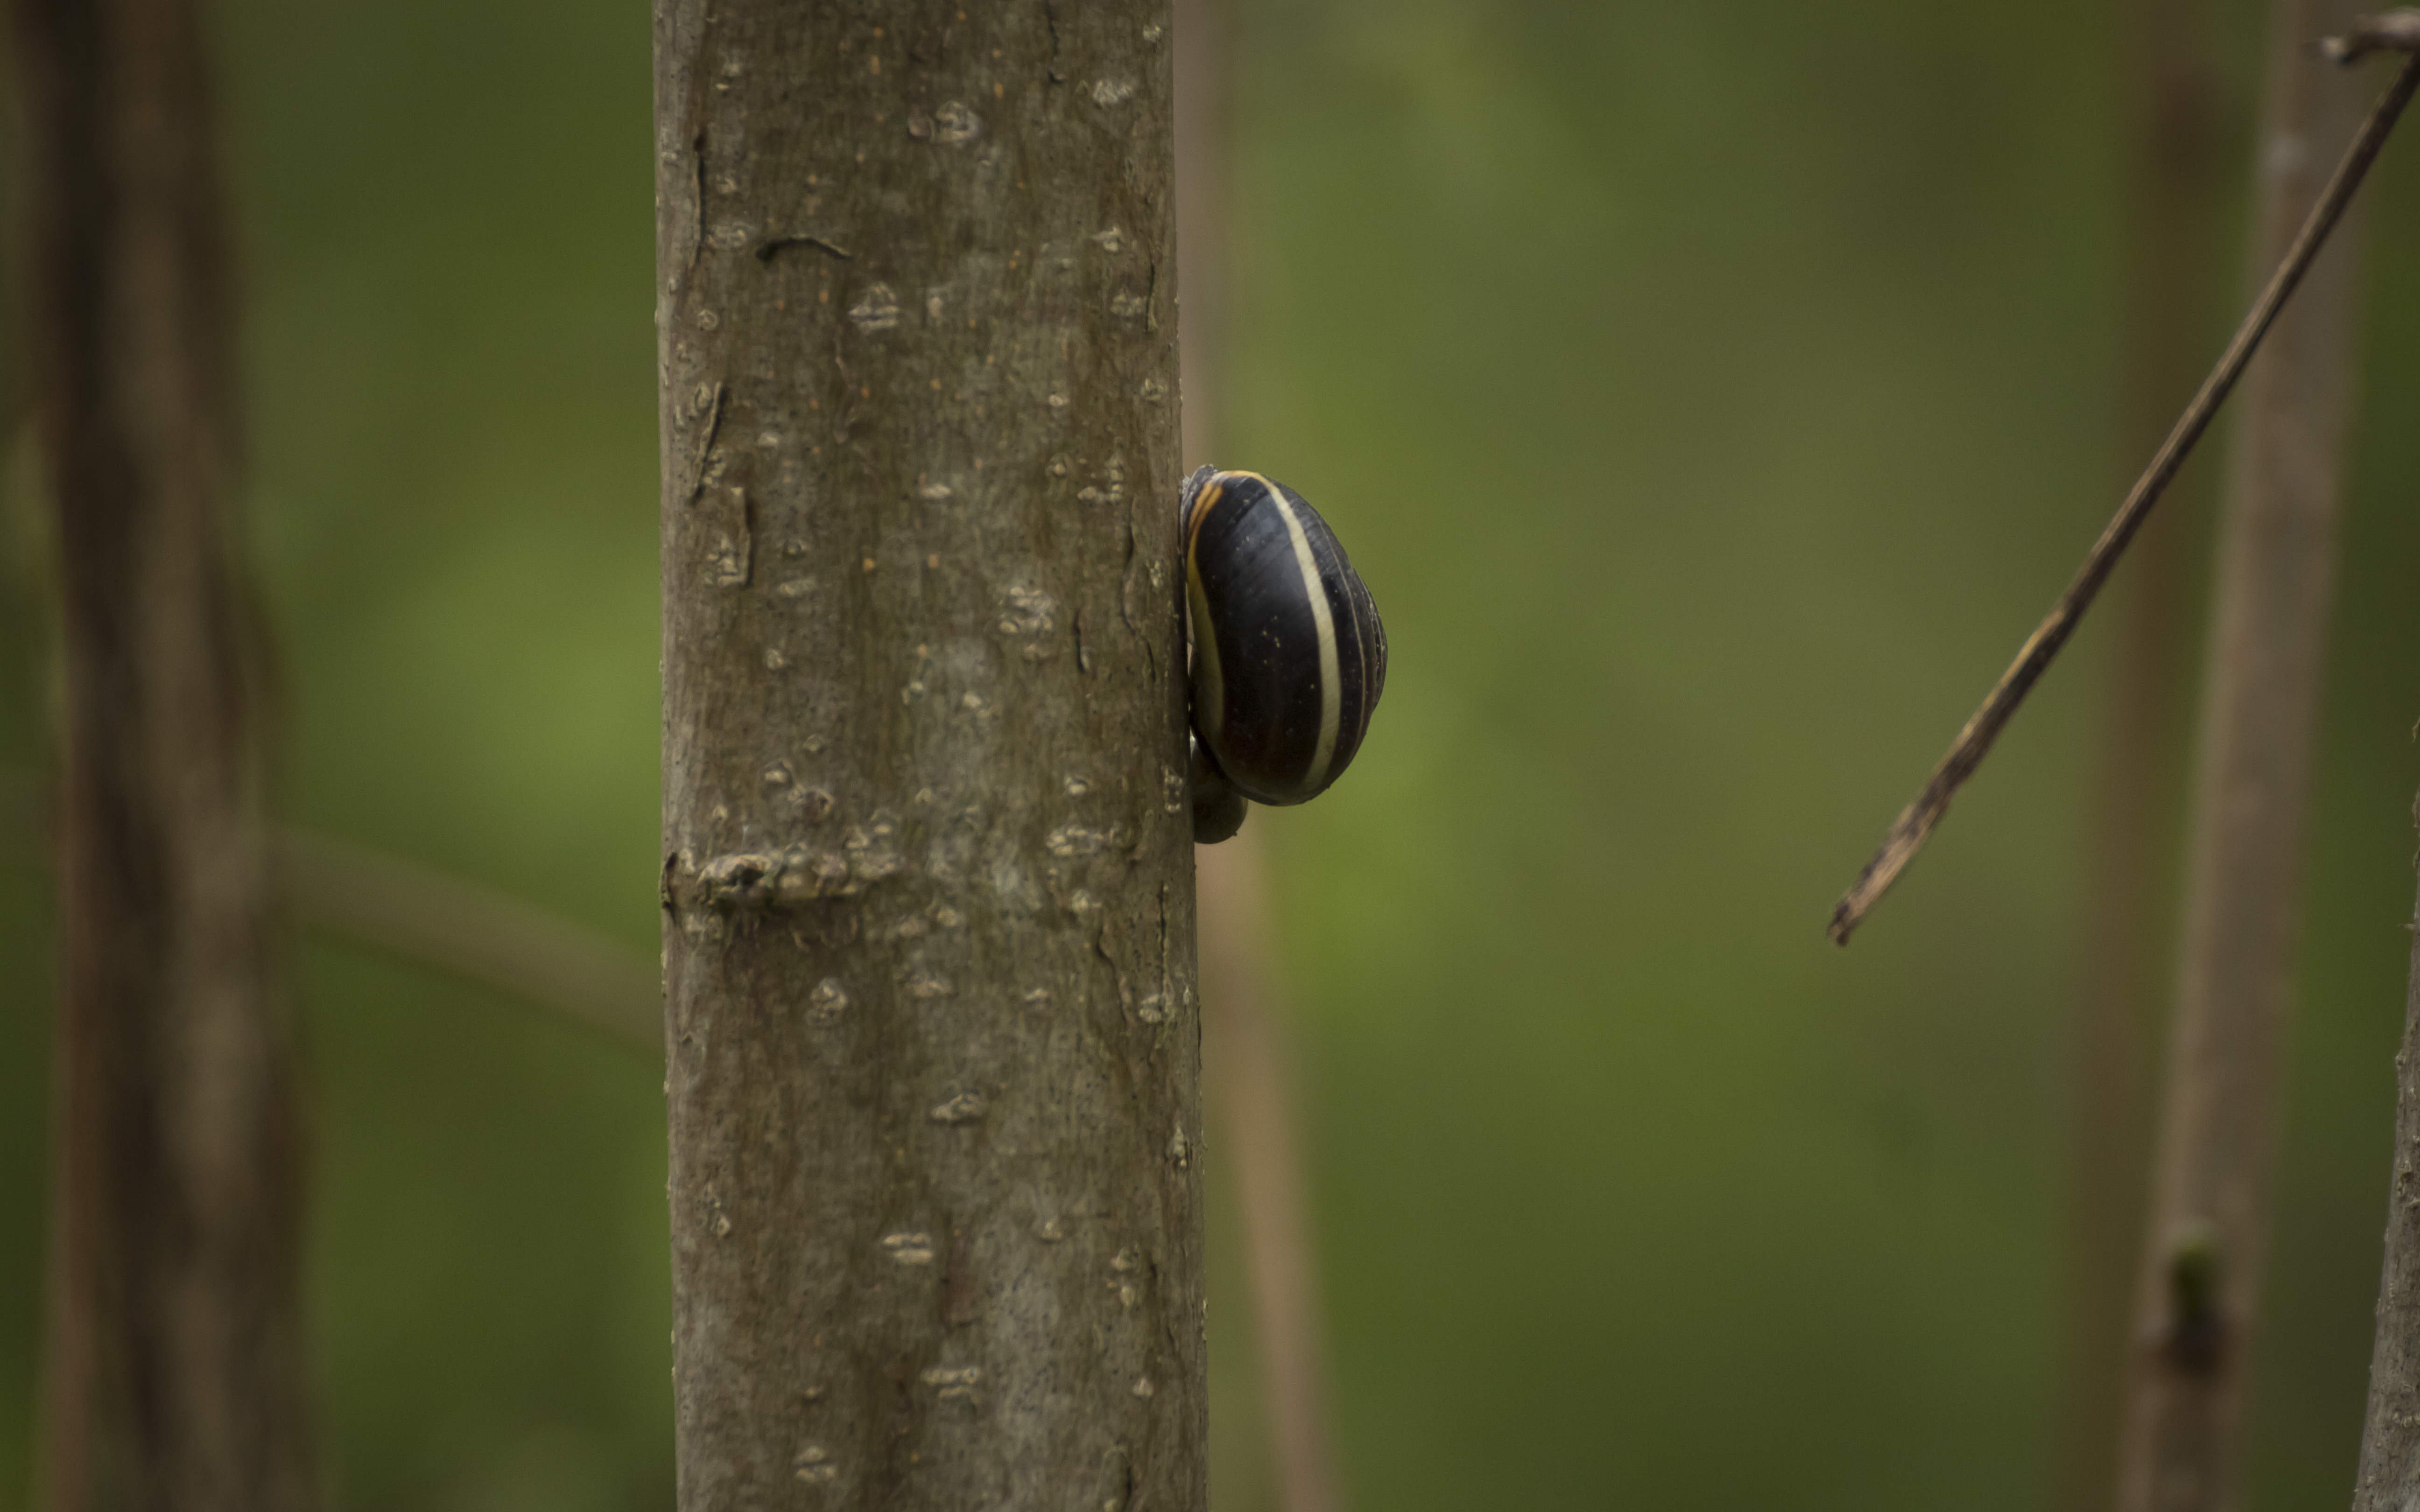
{"points": [[1246, 1067], [1908, 832], [1253, 1096], [2173, 266], [2389, 1479], [174, 1371], [2206, 1234], [931, 1031]]}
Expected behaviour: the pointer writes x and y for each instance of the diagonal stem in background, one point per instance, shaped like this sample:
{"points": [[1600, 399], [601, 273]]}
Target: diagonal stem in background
{"points": [[1908, 832], [445, 923], [474, 931]]}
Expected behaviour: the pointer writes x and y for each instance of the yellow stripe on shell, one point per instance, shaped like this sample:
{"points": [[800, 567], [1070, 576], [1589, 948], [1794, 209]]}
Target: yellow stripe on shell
{"points": [[1209, 685], [1202, 504]]}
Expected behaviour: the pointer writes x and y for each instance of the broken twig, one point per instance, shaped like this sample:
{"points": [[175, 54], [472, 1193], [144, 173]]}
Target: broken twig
{"points": [[1907, 833]]}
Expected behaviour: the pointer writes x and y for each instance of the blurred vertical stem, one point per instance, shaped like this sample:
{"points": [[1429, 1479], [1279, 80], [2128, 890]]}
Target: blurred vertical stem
{"points": [[1252, 1096], [932, 1040], [2169, 185], [1246, 1070], [173, 1364], [2198, 1282]]}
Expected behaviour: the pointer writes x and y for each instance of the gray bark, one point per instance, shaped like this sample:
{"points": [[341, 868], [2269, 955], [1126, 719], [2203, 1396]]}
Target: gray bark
{"points": [[931, 1028], [2390, 1437], [2199, 1283], [173, 1373]]}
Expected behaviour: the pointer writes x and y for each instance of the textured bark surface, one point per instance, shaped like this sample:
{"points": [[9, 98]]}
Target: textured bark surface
{"points": [[933, 1047], [2390, 1435], [173, 1359], [2199, 1281]]}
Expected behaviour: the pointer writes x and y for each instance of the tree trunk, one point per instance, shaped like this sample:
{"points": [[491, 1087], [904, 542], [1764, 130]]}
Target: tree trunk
{"points": [[2390, 1437], [173, 1368], [931, 1030], [2199, 1281]]}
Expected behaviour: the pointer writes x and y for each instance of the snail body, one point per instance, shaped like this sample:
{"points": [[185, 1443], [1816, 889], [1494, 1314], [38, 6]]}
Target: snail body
{"points": [[1289, 656]]}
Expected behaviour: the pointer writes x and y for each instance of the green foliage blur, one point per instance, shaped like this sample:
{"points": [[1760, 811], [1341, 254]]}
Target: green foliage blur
{"points": [[1712, 397]]}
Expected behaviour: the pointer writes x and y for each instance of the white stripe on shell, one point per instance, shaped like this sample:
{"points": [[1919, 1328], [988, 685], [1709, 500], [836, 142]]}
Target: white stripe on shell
{"points": [[1331, 675]]}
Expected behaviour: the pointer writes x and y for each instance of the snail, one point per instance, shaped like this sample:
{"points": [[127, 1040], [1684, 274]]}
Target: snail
{"points": [[1288, 657]]}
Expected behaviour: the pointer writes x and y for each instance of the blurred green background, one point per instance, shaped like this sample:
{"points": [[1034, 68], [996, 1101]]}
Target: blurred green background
{"points": [[1712, 396]]}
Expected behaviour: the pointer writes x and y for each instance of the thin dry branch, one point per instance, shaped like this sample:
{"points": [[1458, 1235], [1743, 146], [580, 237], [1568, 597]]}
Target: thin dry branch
{"points": [[2394, 31], [1908, 832]]}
